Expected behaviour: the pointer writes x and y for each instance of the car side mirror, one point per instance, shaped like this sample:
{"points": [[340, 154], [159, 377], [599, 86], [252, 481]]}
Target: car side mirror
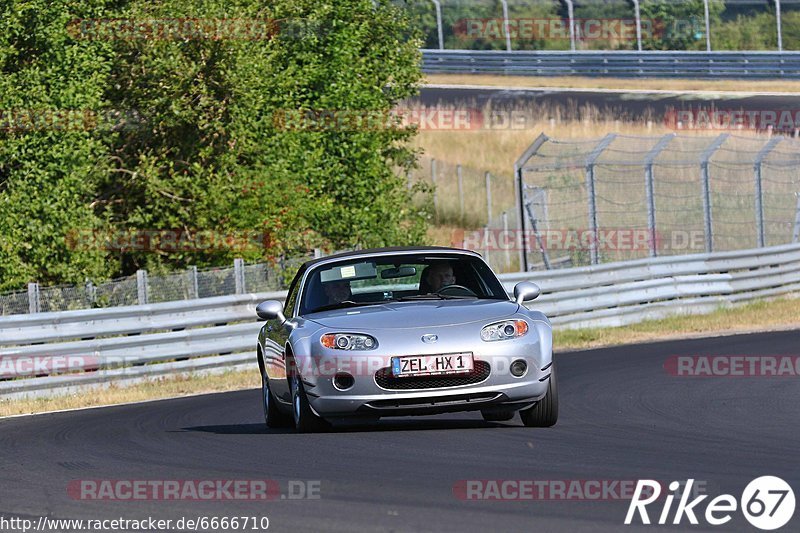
{"points": [[270, 310], [525, 291]]}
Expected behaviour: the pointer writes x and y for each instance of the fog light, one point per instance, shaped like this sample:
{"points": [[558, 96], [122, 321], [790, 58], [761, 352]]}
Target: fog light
{"points": [[518, 368], [343, 381]]}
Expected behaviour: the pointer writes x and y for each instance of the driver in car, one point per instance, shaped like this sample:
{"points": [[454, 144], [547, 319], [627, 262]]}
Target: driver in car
{"points": [[440, 275], [337, 291]]}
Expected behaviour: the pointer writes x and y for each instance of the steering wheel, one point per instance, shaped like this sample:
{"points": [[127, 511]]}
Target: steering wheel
{"points": [[447, 290]]}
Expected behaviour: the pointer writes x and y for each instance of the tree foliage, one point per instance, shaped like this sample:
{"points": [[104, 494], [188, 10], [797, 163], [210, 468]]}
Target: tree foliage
{"points": [[187, 135]]}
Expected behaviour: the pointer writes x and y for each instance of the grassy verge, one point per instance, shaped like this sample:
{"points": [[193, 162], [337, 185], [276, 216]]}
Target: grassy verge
{"points": [[763, 315], [171, 387], [775, 314], [617, 83]]}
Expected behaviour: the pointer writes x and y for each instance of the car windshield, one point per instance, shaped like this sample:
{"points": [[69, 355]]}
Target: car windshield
{"points": [[373, 280]]}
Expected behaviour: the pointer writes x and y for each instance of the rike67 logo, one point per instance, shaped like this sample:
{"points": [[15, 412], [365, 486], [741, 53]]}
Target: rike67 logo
{"points": [[767, 503]]}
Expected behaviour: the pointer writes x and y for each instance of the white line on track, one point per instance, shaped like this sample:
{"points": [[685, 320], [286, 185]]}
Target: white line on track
{"points": [[706, 94]]}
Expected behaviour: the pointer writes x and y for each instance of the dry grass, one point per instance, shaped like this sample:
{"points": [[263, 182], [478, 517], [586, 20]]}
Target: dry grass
{"points": [[617, 83], [172, 387], [758, 316]]}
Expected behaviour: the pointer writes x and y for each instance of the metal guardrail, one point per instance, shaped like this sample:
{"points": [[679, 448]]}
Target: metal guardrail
{"points": [[141, 342], [649, 64]]}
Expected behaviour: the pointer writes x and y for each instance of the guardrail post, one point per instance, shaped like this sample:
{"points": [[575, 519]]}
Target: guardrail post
{"points": [[460, 177], [141, 287], [761, 231], [592, 197], [34, 304], [194, 289], [650, 189], [238, 275], [488, 198]]}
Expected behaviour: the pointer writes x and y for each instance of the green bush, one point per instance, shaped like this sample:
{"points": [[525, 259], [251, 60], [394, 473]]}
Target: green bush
{"points": [[201, 148]]}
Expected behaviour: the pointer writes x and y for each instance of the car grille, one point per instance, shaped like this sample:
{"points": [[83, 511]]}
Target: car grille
{"points": [[385, 380]]}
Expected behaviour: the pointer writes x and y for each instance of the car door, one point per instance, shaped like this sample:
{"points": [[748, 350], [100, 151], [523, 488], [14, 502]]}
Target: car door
{"points": [[275, 346]]}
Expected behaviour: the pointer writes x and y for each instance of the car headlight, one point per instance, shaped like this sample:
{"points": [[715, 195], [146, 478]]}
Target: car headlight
{"points": [[507, 329], [348, 341]]}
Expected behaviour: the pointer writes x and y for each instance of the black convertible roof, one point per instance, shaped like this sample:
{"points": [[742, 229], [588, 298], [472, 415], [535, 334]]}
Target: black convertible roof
{"points": [[399, 249]]}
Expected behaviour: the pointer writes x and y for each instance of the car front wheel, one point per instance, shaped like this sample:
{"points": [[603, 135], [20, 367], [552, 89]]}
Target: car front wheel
{"points": [[273, 416], [545, 412], [305, 421]]}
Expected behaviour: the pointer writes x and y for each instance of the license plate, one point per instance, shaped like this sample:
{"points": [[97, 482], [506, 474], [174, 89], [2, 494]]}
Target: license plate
{"points": [[432, 365]]}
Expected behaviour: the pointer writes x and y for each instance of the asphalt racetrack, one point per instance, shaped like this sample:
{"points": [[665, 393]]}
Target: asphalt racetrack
{"points": [[623, 417], [618, 103]]}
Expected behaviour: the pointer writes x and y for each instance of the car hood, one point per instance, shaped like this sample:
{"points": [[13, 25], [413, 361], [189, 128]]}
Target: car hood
{"points": [[417, 314]]}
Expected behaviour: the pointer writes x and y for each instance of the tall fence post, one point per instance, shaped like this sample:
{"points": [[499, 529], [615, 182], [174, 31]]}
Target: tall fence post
{"points": [[460, 176], [708, 25], [519, 167], [780, 25], [439, 23], [796, 232], [91, 293], [650, 190], [505, 240], [238, 275], [638, 14], [141, 287], [759, 189], [571, 15], [706, 180], [488, 198], [506, 27], [433, 182], [194, 288], [591, 196], [34, 304]]}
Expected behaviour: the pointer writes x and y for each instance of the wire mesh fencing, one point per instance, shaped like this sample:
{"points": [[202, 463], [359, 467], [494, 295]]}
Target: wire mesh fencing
{"points": [[627, 197], [143, 288]]}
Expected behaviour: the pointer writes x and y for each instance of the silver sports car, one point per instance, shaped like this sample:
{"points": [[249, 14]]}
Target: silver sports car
{"points": [[404, 331]]}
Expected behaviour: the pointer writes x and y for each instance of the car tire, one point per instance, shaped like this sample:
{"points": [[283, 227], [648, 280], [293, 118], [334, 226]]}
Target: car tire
{"points": [[498, 416], [545, 412], [305, 420], [273, 416]]}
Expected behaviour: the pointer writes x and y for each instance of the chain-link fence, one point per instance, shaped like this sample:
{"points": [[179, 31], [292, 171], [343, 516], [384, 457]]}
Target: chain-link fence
{"points": [[143, 288], [705, 25], [625, 197]]}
